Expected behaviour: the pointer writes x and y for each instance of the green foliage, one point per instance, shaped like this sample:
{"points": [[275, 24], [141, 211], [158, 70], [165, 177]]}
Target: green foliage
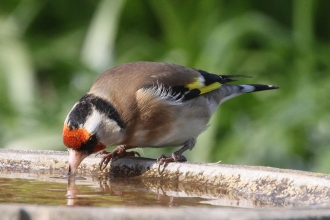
{"points": [[52, 51]]}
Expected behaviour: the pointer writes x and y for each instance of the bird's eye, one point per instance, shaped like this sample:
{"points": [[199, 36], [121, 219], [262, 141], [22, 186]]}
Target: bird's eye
{"points": [[89, 144], [92, 140]]}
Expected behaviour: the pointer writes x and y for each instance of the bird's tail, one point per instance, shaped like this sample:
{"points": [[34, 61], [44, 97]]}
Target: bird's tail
{"points": [[228, 91], [255, 88], [222, 90]]}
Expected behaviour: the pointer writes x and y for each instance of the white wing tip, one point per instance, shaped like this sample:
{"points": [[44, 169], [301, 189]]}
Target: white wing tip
{"points": [[247, 88]]}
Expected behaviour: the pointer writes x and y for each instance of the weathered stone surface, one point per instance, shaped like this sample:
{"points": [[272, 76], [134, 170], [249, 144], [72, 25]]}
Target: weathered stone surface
{"points": [[290, 188], [27, 212]]}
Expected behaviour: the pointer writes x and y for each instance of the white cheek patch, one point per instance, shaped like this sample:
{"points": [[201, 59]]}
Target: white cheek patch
{"points": [[93, 122], [107, 130]]}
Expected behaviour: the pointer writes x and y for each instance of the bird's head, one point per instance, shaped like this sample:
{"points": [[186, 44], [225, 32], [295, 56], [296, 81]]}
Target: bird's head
{"points": [[80, 143], [81, 133], [92, 123]]}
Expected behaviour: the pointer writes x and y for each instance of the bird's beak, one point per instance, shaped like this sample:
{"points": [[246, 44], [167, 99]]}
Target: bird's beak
{"points": [[75, 158]]}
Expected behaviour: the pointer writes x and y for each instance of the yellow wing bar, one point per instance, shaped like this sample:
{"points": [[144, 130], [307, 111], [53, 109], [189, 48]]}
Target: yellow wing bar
{"points": [[209, 88], [199, 84]]}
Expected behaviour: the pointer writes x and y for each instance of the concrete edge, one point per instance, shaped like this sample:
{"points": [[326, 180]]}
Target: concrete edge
{"points": [[119, 213], [249, 179], [291, 186]]}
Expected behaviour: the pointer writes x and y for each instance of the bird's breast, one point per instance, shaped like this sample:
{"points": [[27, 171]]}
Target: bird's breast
{"points": [[172, 126]]}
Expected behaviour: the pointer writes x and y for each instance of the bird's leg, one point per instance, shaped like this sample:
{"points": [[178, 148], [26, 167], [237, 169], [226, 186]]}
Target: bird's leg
{"points": [[177, 155], [118, 152]]}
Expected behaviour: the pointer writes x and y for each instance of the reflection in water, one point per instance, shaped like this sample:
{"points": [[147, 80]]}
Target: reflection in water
{"points": [[72, 192], [123, 192], [135, 192], [151, 192]]}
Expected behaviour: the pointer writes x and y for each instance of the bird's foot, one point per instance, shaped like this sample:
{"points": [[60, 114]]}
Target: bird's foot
{"points": [[118, 152], [175, 157]]}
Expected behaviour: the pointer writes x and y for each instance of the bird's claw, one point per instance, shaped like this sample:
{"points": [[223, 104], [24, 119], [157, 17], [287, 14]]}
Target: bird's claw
{"points": [[120, 151], [173, 158], [104, 162], [101, 152]]}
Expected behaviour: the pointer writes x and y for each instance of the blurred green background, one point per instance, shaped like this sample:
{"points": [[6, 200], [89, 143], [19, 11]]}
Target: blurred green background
{"points": [[52, 51]]}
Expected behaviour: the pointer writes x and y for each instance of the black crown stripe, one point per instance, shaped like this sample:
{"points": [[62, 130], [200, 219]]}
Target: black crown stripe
{"points": [[84, 108]]}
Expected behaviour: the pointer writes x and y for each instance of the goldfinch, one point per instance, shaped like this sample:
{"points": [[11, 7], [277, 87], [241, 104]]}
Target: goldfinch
{"points": [[146, 104]]}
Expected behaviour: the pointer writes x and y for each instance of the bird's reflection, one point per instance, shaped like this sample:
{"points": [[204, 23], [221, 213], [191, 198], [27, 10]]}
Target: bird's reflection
{"points": [[148, 192], [72, 192], [76, 197], [129, 192]]}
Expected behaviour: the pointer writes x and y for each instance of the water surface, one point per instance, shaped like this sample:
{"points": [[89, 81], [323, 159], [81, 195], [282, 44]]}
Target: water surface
{"points": [[105, 193], [49, 189]]}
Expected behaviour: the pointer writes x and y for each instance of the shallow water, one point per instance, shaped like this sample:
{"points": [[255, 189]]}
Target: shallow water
{"points": [[48, 189], [116, 192]]}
